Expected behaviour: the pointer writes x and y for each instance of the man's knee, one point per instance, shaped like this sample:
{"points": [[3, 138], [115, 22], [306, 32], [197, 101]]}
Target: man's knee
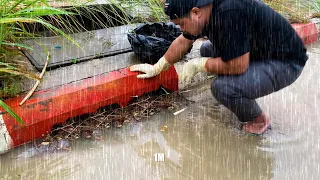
{"points": [[219, 90], [206, 49], [224, 90]]}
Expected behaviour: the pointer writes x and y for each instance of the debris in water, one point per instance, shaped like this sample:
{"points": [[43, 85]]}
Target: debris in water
{"points": [[107, 125], [64, 144], [45, 143], [126, 121], [164, 128], [185, 91], [91, 127], [178, 112]]}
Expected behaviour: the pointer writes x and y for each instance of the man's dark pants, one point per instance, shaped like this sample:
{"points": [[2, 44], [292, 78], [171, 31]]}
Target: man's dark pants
{"points": [[238, 92]]}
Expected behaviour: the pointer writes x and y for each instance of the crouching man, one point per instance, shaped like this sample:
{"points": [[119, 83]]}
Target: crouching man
{"points": [[253, 50]]}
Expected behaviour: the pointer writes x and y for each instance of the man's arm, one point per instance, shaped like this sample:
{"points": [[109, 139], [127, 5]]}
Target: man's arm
{"points": [[234, 66], [233, 45], [178, 49]]}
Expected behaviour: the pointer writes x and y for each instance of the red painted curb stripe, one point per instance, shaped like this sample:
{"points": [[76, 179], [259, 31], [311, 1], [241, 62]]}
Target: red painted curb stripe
{"points": [[54, 106], [309, 33]]}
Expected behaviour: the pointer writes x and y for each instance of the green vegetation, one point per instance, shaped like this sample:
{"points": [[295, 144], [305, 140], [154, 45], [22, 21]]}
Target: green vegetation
{"points": [[296, 11], [316, 8], [13, 16], [10, 111], [143, 10], [292, 10]]}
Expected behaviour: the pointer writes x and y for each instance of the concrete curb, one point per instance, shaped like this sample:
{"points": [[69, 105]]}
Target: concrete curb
{"points": [[308, 32], [53, 106]]}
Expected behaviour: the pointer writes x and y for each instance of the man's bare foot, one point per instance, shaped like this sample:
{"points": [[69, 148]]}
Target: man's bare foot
{"points": [[257, 126]]}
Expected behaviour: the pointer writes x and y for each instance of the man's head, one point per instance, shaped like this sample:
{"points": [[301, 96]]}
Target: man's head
{"points": [[191, 15]]}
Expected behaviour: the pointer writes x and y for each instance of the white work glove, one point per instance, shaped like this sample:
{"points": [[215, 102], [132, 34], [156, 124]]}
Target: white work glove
{"points": [[193, 67], [151, 70]]}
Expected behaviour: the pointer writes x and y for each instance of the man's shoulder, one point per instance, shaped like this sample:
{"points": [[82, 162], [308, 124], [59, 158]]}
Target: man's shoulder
{"points": [[221, 6], [254, 9], [227, 10]]}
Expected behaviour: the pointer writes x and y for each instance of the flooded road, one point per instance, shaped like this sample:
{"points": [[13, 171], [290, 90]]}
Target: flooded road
{"points": [[202, 142], [195, 145]]}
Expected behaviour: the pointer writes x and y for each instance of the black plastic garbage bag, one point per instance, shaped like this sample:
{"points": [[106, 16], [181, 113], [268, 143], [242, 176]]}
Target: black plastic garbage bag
{"points": [[151, 41]]}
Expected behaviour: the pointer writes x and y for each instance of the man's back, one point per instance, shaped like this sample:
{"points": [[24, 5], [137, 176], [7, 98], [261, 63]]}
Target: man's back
{"points": [[269, 35]]}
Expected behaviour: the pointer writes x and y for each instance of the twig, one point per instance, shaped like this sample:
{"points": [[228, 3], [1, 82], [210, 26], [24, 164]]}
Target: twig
{"points": [[100, 114], [65, 130], [65, 126], [106, 118], [178, 112], [165, 91], [89, 127], [185, 91], [75, 128], [37, 83], [141, 106], [139, 102]]}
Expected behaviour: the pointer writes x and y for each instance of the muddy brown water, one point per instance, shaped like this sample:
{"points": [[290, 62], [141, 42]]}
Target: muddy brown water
{"points": [[202, 142], [195, 146]]}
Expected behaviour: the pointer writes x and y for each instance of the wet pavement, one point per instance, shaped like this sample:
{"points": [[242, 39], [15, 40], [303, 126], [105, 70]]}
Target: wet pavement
{"points": [[202, 142]]}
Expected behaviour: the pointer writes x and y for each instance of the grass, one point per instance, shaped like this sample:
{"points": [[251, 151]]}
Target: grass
{"points": [[139, 11], [11, 112], [13, 16], [296, 11], [316, 8], [290, 9], [12, 31]]}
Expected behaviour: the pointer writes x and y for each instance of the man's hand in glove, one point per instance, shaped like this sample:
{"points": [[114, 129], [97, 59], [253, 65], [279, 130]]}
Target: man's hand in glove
{"points": [[151, 70], [193, 67]]}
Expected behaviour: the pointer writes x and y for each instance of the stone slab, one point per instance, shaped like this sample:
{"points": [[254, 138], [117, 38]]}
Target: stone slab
{"points": [[94, 44]]}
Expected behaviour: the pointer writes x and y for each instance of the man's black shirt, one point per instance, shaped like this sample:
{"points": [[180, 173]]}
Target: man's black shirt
{"points": [[240, 26]]}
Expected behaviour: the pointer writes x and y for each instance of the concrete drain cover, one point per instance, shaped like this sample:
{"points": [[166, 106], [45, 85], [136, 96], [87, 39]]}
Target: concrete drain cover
{"points": [[94, 44]]}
